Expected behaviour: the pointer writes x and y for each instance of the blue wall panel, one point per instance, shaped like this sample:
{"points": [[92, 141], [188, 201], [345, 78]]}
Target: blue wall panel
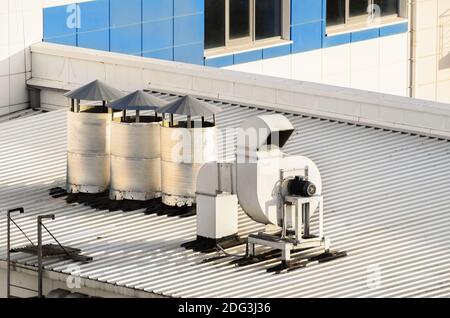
{"points": [[163, 54], [276, 51], [153, 10], [157, 35], [394, 29], [365, 35], [97, 40], [306, 37], [304, 11], [248, 56], [192, 53], [188, 29], [125, 13], [126, 20], [157, 29], [60, 25], [187, 7], [126, 40], [93, 29], [220, 61], [334, 40]]}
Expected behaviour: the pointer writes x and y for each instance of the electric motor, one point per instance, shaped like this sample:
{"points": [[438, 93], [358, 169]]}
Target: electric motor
{"points": [[301, 187]]}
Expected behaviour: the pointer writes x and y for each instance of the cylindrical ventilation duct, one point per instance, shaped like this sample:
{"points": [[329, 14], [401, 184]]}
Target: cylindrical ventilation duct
{"points": [[88, 152], [183, 152], [88, 148], [135, 149], [136, 160]]}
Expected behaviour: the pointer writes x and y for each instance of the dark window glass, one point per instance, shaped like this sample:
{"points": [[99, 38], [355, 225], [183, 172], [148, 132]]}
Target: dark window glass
{"points": [[239, 19], [387, 7], [214, 23], [335, 12], [268, 18], [358, 8]]}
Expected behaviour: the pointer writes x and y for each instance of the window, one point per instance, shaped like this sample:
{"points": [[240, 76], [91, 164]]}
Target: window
{"points": [[335, 12], [342, 12], [268, 19], [387, 7], [214, 23], [358, 8], [242, 22], [239, 19]]}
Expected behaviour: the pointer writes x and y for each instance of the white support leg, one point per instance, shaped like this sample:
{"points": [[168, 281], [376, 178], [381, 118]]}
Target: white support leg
{"points": [[321, 218], [286, 253]]}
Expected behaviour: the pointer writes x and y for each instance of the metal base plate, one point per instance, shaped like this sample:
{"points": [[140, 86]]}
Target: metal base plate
{"points": [[296, 264]]}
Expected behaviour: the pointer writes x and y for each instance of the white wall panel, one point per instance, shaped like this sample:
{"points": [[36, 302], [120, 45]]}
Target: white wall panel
{"points": [[255, 67], [307, 66], [365, 54], [443, 91], [394, 49], [379, 65], [336, 60], [4, 91], [425, 70], [366, 79], [426, 91], [431, 49], [393, 77], [17, 89], [21, 24], [278, 66]]}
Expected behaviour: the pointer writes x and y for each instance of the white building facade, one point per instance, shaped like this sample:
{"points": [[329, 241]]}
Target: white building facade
{"points": [[391, 46]]}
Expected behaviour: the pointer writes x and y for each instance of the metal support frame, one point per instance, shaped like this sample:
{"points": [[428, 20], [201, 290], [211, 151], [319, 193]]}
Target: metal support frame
{"points": [[302, 238], [40, 267], [8, 252], [301, 241], [38, 250]]}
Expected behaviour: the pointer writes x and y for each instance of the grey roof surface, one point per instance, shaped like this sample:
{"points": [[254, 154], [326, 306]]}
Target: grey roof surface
{"points": [[387, 204], [138, 100], [95, 91], [190, 106]]}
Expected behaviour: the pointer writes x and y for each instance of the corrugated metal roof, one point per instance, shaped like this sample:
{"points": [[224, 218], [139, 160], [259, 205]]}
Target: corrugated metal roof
{"points": [[387, 204]]}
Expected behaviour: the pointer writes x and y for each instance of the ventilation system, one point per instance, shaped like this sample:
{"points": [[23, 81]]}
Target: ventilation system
{"points": [[175, 157], [279, 191]]}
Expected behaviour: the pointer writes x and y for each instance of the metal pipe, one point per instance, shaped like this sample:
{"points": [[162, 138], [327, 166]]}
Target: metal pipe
{"points": [[411, 51], [189, 122], [8, 259], [40, 269], [283, 207], [306, 229], [219, 179], [138, 114]]}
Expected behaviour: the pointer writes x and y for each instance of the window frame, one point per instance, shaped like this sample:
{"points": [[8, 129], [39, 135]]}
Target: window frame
{"points": [[250, 41], [349, 22], [251, 27]]}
